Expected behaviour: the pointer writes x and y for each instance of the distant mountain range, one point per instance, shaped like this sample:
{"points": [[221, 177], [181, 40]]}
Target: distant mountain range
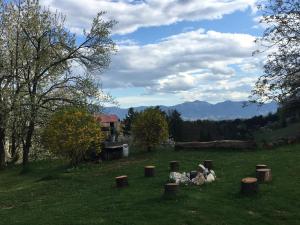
{"points": [[197, 110]]}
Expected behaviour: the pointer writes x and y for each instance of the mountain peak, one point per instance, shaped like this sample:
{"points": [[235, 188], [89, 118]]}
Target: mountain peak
{"points": [[197, 110]]}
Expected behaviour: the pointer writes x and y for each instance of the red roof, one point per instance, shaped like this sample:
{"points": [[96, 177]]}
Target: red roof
{"points": [[107, 118]]}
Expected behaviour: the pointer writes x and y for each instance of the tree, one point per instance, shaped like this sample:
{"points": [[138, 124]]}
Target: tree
{"points": [[175, 124], [281, 78], [150, 128], [71, 133], [40, 57], [131, 115]]}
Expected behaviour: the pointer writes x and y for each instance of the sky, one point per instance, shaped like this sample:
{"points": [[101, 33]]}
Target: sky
{"points": [[173, 51]]}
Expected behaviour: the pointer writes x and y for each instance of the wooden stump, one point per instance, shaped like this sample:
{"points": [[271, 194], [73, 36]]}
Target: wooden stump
{"points": [[264, 175], [249, 185], [208, 164], [149, 171], [122, 181], [171, 189], [261, 166], [174, 166]]}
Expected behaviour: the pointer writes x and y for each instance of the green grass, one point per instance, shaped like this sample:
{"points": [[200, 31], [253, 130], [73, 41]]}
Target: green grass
{"points": [[273, 135], [51, 194]]}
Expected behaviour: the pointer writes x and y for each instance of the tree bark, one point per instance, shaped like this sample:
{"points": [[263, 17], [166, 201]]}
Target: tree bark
{"points": [[149, 171], [174, 166], [208, 164], [264, 175], [28, 142], [171, 190], [249, 185], [122, 181], [2, 148]]}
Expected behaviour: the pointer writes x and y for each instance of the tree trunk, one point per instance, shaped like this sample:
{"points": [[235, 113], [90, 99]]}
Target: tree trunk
{"points": [[174, 166], [13, 150], [2, 148], [149, 171], [27, 144], [264, 175], [208, 164], [171, 190], [122, 181], [249, 185]]}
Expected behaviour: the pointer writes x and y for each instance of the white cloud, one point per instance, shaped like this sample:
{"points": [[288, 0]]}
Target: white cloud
{"points": [[184, 58], [132, 15], [199, 64]]}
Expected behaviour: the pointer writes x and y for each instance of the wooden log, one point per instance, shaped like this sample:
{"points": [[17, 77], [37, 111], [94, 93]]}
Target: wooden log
{"points": [[261, 166], [249, 185], [174, 166], [208, 164], [171, 189], [149, 171], [264, 175], [122, 181]]}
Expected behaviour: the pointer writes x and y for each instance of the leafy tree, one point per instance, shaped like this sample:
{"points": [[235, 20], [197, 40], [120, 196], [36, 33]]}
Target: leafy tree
{"points": [[131, 115], [71, 133], [281, 78], [37, 67], [175, 124], [150, 128]]}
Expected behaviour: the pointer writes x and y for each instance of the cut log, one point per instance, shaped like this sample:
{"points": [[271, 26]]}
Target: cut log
{"points": [[249, 185], [122, 181], [261, 166], [171, 189], [264, 175], [208, 164], [149, 171], [174, 166]]}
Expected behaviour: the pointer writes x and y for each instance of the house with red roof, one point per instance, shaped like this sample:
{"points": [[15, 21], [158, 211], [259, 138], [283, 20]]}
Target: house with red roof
{"points": [[110, 125]]}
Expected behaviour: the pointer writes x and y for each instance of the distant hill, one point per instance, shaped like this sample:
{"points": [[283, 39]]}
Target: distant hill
{"points": [[203, 110]]}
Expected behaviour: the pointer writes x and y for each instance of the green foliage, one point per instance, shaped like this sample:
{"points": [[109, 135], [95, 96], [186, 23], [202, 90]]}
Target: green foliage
{"points": [[38, 59], [131, 115], [150, 128], [71, 133], [281, 39], [175, 124], [239, 129]]}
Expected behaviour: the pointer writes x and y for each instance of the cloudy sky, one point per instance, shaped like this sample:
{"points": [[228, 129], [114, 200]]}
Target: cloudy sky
{"points": [[172, 51]]}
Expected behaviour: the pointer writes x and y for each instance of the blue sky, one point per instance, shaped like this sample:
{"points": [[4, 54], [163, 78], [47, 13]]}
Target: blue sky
{"points": [[172, 51]]}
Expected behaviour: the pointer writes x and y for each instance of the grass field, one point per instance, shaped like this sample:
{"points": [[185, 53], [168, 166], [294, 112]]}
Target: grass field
{"points": [[51, 194], [273, 135]]}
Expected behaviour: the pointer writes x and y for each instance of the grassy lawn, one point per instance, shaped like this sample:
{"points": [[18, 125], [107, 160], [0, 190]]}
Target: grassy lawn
{"points": [[51, 194], [273, 135]]}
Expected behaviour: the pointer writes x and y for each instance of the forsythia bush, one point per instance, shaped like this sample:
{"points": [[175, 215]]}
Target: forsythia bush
{"points": [[71, 133], [150, 128]]}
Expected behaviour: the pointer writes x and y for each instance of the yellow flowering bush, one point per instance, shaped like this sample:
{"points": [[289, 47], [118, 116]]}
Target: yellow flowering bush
{"points": [[72, 133], [150, 128]]}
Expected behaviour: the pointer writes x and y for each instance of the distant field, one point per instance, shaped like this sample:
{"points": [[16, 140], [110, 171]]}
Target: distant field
{"points": [[49, 194], [270, 135]]}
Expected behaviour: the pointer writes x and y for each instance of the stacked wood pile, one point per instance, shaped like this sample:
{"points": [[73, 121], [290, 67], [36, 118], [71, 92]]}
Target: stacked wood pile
{"points": [[223, 144]]}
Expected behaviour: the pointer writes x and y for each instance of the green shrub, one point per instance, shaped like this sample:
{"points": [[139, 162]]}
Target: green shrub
{"points": [[150, 128], [71, 133]]}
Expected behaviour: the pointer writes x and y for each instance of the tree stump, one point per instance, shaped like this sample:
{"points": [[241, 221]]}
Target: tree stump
{"points": [[208, 164], [149, 171], [122, 181], [249, 185], [261, 166], [174, 166], [171, 189], [264, 175]]}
